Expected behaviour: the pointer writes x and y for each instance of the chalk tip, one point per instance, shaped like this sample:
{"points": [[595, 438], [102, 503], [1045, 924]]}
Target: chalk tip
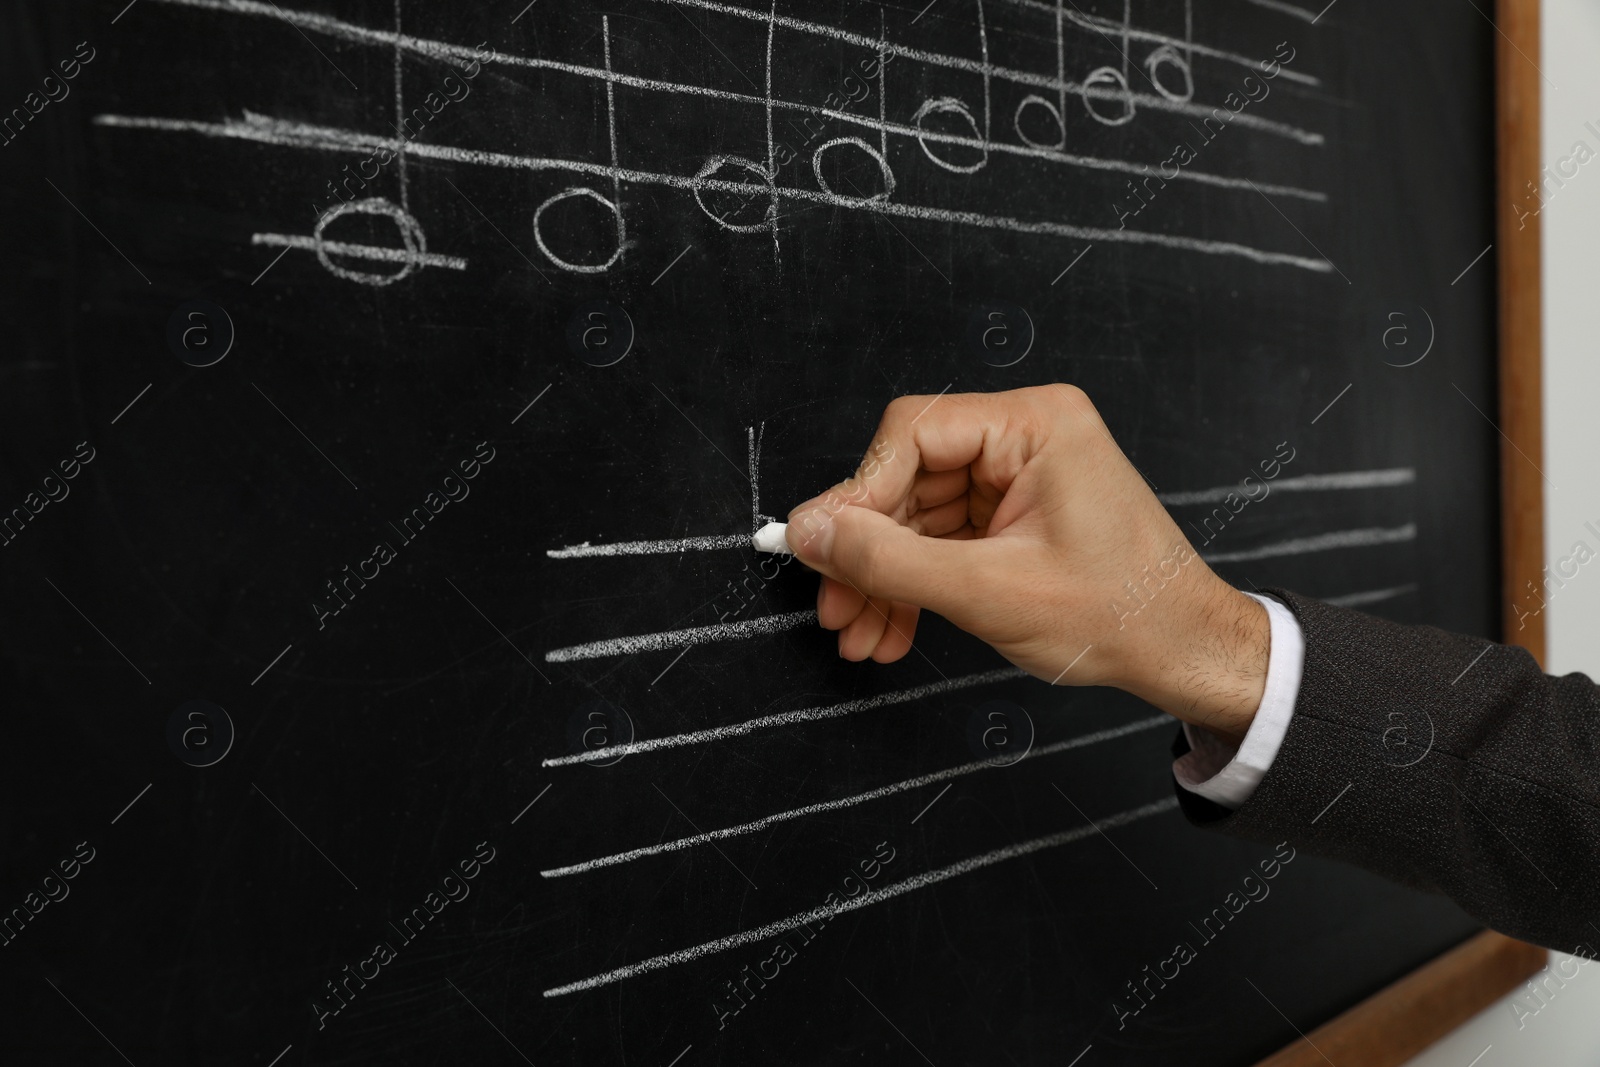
{"points": [[772, 538]]}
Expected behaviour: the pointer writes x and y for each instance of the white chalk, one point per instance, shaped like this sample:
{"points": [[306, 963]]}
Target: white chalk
{"points": [[773, 537]]}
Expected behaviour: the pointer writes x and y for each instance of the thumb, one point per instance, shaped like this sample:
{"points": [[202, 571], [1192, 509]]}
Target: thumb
{"points": [[882, 558]]}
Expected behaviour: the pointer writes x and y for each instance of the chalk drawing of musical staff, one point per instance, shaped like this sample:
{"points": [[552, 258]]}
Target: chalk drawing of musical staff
{"points": [[961, 63], [728, 174], [765, 626], [870, 897], [836, 804], [337, 140]]}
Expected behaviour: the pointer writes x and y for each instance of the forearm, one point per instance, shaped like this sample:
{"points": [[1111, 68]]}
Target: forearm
{"points": [[1442, 762]]}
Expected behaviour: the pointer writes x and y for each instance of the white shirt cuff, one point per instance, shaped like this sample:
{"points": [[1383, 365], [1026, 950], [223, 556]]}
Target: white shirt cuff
{"points": [[1213, 767]]}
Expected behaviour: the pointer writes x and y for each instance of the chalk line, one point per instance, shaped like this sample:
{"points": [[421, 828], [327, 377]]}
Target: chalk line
{"points": [[1287, 9], [443, 51], [1319, 543], [342, 248], [304, 136], [774, 210], [650, 548], [611, 123], [1061, 66], [789, 718], [988, 72], [860, 798], [884, 127], [870, 897], [757, 520], [1373, 479], [1301, 483], [1102, 25], [972, 66], [400, 116], [883, 87], [1370, 596], [694, 635]]}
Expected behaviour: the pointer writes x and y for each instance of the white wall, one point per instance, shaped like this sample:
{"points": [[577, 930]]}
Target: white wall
{"points": [[1564, 1032], [1571, 41], [1552, 1027]]}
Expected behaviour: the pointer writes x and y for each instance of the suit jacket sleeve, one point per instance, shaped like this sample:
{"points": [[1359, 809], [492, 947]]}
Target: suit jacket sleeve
{"points": [[1440, 761]]}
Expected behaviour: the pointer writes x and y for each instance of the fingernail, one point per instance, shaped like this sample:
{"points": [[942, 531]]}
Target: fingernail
{"points": [[810, 534]]}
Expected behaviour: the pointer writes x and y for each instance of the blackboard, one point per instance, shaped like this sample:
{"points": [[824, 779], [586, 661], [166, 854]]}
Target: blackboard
{"points": [[390, 391]]}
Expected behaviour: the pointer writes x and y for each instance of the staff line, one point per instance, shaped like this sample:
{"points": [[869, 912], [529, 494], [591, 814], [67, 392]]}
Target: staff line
{"points": [[870, 897], [350, 139], [1299, 546], [382, 253], [694, 635], [1369, 479], [1286, 9], [1370, 596], [660, 547], [789, 718], [893, 788], [983, 144], [1342, 480], [334, 27], [1366, 537]]}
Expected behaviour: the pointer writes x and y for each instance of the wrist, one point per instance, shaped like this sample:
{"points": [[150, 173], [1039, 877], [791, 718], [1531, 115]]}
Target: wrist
{"points": [[1211, 667]]}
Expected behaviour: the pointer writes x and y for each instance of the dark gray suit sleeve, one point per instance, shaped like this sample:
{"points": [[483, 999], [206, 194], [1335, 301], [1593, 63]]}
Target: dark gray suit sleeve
{"points": [[1443, 762]]}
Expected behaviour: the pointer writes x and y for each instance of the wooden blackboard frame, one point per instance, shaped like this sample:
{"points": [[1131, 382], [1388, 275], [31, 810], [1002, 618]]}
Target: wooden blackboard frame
{"points": [[1398, 1022]]}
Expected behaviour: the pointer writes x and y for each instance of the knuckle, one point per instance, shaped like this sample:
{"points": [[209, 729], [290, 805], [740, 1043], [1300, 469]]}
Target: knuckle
{"points": [[1073, 410], [1070, 396], [902, 409]]}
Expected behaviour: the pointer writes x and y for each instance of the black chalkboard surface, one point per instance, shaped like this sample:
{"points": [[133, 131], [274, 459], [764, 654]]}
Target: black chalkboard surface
{"points": [[391, 390]]}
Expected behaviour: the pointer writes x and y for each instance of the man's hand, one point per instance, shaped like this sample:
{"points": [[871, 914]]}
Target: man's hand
{"points": [[1016, 516]]}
